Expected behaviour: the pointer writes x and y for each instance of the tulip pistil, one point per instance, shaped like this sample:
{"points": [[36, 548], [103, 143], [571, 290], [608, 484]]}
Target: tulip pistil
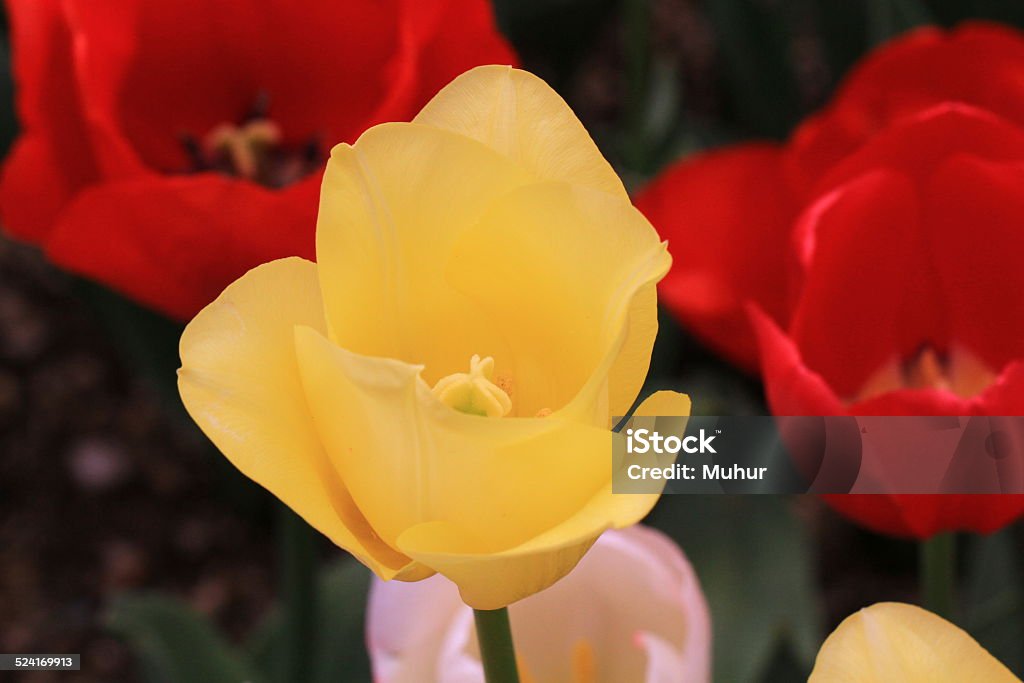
{"points": [[474, 392]]}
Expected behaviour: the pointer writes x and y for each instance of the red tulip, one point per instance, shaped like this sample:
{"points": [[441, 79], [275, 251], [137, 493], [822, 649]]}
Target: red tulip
{"points": [[171, 145], [878, 253], [735, 208]]}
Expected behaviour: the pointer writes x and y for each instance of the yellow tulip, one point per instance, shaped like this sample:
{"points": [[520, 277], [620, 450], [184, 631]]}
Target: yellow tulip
{"points": [[896, 643], [435, 393]]}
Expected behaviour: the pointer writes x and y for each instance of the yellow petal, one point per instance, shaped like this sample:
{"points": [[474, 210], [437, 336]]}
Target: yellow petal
{"points": [[489, 578], [572, 293], [520, 116], [391, 208], [239, 381], [408, 459], [896, 643]]}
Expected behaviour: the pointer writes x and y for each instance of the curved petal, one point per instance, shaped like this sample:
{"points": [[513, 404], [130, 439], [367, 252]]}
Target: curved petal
{"points": [[523, 118], [415, 466], [896, 82], [240, 382], [727, 215], [922, 516], [896, 643], [664, 620], [174, 243], [52, 160], [914, 146], [539, 562], [790, 386], [1005, 396], [633, 603], [847, 326], [391, 209], [572, 295], [410, 460], [34, 188], [974, 209], [407, 625]]}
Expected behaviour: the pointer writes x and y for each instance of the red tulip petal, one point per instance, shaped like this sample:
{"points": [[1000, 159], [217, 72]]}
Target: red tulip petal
{"points": [[916, 145], [52, 159], [913, 402], [161, 69], [175, 243], [899, 80], [328, 67], [975, 215], [923, 516], [463, 35], [867, 294], [33, 188], [791, 387], [726, 215], [1006, 395], [152, 72]]}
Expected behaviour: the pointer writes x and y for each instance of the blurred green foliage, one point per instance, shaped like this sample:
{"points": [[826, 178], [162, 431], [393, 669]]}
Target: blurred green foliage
{"points": [[175, 644], [756, 565]]}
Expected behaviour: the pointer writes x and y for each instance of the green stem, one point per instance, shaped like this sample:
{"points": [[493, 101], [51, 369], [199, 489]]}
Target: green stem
{"points": [[297, 548], [938, 574], [498, 654]]}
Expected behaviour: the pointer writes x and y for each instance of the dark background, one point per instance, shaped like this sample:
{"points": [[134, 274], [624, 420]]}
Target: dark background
{"points": [[122, 533]]}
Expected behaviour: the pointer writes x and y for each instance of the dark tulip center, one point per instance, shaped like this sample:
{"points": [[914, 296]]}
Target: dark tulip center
{"points": [[957, 370], [254, 149]]}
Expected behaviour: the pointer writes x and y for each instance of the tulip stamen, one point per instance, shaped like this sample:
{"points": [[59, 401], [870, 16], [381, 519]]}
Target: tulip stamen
{"points": [[244, 147], [474, 392], [254, 149], [959, 371]]}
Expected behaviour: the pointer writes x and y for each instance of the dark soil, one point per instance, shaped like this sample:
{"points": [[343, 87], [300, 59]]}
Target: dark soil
{"points": [[100, 490]]}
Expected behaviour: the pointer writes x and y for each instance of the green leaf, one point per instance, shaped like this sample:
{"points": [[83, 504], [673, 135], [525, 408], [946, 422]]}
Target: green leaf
{"points": [[754, 561], [340, 647], [174, 644], [889, 18], [995, 596]]}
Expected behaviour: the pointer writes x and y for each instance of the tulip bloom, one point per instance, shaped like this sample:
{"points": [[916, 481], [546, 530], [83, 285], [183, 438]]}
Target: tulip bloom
{"points": [[878, 252], [631, 611], [740, 204], [169, 146], [896, 643], [435, 393]]}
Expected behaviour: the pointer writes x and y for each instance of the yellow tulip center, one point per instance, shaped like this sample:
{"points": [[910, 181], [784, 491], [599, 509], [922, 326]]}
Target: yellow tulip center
{"points": [[474, 392]]}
